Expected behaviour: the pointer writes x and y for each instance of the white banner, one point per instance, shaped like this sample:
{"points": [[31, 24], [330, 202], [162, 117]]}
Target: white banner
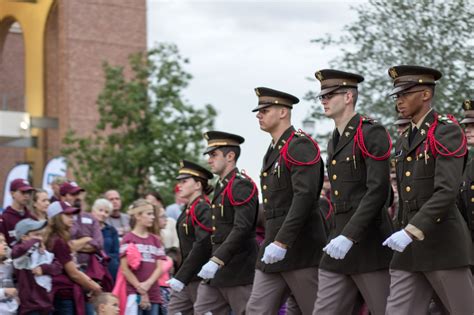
{"points": [[55, 167], [19, 171]]}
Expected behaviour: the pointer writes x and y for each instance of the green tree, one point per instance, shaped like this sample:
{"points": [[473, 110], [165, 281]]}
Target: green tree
{"points": [[145, 128], [433, 33]]}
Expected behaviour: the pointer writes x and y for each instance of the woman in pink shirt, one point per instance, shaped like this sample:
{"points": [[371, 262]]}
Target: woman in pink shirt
{"points": [[143, 290]]}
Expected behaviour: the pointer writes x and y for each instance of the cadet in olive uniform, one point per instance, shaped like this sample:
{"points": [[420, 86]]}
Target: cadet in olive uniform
{"points": [[359, 173], [291, 182], [433, 249], [194, 233], [234, 219], [466, 193]]}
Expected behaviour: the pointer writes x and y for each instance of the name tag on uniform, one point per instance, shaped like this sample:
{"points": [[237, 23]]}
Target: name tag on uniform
{"points": [[86, 220]]}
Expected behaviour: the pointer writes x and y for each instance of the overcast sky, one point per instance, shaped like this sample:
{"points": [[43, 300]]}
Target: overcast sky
{"points": [[235, 46]]}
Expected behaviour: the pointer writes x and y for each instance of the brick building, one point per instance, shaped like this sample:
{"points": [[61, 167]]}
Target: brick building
{"points": [[79, 35]]}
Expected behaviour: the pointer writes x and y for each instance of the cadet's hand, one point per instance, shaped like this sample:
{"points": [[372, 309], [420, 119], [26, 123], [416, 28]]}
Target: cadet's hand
{"points": [[208, 271], [175, 284], [273, 253], [338, 247], [398, 241]]}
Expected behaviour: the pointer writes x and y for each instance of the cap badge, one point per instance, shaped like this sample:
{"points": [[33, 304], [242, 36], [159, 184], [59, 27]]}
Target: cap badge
{"points": [[467, 105], [257, 92], [181, 164], [319, 76], [393, 73], [206, 136]]}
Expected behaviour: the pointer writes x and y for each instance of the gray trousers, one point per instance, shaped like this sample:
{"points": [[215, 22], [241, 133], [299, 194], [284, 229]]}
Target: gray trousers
{"points": [[411, 292], [182, 302], [270, 291], [337, 293], [220, 301]]}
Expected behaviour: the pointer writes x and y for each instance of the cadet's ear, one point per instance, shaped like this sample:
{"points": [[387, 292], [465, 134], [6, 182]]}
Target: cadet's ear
{"points": [[427, 94], [284, 112], [230, 156]]}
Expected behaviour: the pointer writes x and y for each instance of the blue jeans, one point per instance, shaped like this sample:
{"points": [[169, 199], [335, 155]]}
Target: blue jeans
{"points": [[62, 307], [155, 310]]}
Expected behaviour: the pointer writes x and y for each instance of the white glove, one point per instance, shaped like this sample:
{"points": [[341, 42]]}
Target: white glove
{"points": [[175, 284], [338, 247], [273, 253], [208, 271], [398, 241]]}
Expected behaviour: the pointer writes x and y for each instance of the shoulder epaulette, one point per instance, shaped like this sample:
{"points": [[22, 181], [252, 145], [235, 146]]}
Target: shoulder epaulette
{"points": [[368, 120], [444, 119], [299, 133]]}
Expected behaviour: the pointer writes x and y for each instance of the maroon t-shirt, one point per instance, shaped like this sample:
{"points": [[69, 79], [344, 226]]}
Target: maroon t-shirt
{"points": [[10, 218], [62, 254], [151, 250]]}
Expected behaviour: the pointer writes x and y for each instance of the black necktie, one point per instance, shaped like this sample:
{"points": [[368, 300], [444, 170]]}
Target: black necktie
{"points": [[335, 138], [413, 133]]}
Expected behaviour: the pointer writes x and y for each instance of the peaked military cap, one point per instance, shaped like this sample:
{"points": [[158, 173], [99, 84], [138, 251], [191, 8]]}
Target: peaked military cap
{"points": [[332, 80], [468, 107], [405, 77], [216, 139], [188, 169], [269, 97], [401, 120]]}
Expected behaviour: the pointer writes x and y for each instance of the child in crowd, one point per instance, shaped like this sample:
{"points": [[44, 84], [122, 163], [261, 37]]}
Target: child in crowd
{"points": [[8, 293], [34, 268], [106, 304], [143, 290], [68, 294]]}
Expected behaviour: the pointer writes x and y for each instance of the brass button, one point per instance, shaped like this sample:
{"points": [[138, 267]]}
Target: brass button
{"points": [[213, 206], [334, 177], [213, 217], [438, 220], [264, 174], [407, 173], [472, 187], [407, 189], [336, 193], [279, 147], [264, 187], [409, 159], [472, 199], [265, 200], [213, 228], [348, 159], [333, 162]]}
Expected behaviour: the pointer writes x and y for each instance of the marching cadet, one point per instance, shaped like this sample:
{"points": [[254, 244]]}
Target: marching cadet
{"points": [[230, 271], [194, 231], [432, 250], [359, 172], [466, 193], [291, 182]]}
